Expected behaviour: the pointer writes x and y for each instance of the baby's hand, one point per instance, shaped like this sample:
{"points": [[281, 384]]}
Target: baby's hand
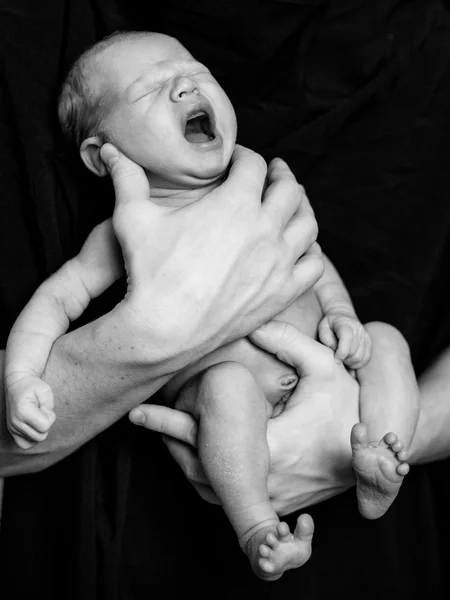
{"points": [[29, 410], [347, 337]]}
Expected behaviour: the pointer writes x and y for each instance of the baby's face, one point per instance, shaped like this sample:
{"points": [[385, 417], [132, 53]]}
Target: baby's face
{"points": [[168, 113]]}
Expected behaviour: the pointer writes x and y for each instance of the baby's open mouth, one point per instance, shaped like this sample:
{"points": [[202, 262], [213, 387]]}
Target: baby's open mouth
{"points": [[199, 128]]}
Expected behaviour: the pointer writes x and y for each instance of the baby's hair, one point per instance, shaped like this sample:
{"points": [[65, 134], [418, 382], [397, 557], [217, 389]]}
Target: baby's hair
{"points": [[80, 108]]}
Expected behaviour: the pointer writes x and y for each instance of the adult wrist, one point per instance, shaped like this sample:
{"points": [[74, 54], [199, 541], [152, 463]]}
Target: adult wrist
{"points": [[155, 338]]}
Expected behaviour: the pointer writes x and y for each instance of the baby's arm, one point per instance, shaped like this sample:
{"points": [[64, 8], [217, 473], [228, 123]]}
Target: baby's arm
{"points": [[59, 300], [340, 328]]}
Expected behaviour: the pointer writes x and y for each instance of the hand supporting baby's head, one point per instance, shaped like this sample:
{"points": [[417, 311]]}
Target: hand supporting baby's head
{"points": [[148, 96]]}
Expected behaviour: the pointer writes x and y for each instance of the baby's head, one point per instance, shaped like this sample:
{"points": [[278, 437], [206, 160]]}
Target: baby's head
{"points": [[146, 94]]}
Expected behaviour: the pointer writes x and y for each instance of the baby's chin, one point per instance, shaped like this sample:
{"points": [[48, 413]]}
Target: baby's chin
{"points": [[187, 181], [191, 177]]}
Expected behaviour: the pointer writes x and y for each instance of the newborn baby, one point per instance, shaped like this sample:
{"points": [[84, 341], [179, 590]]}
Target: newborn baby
{"points": [[147, 95]]}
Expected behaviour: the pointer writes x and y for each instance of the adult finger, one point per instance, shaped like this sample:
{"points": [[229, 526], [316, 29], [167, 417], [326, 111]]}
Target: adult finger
{"points": [[129, 180], [309, 268], [247, 176], [187, 460], [168, 421], [206, 493], [283, 196], [192, 469], [301, 231], [291, 346]]}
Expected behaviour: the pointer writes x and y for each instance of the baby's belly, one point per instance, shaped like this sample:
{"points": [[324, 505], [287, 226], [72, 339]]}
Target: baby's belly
{"points": [[268, 371]]}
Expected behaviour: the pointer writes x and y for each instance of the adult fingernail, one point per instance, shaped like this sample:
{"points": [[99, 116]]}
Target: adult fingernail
{"points": [[137, 417], [261, 330], [109, 155]]}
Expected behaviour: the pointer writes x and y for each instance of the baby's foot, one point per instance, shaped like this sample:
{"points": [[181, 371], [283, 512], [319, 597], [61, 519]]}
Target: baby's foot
{"points": [[380, 468], [281, 550]]}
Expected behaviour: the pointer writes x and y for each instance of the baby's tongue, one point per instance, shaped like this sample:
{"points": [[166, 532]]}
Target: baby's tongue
{"points": [[196, 137], [194, 132]]}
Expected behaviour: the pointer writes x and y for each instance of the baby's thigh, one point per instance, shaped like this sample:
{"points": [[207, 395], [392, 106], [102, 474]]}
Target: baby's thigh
{"points": [[226, 390]]}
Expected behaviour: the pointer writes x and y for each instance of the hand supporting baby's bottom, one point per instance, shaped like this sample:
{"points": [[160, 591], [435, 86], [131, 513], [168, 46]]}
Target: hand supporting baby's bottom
{"points": [[325, 395]]}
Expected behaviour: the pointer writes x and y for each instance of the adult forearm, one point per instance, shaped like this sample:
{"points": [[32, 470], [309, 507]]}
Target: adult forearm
{"points": [[93, 388], [432, 438]]}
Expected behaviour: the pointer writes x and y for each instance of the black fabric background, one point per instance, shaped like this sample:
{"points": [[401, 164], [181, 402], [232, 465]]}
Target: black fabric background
{"points": [[355, 95]]}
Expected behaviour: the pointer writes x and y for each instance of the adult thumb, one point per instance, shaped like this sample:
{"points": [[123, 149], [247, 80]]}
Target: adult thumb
{"points": [[291, 346], [129, 179]]}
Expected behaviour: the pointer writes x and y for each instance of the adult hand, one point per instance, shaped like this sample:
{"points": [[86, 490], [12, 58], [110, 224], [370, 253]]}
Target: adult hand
{"points": [[309, 442], [210, 272], [198, 276]]}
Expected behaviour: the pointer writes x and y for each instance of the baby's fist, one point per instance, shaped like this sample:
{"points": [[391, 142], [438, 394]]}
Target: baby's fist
{"points": [[347, 337]]}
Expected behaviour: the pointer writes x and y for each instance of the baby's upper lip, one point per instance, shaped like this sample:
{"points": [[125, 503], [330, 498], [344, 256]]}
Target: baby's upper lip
{"points": [[199, 106]]}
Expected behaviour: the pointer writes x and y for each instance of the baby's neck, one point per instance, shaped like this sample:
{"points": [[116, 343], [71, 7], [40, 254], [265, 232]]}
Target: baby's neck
{"points": [[181, 197]]}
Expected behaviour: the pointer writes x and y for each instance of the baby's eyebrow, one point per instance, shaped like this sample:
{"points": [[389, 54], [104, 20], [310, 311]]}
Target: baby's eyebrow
{"points": [[159, 74]]}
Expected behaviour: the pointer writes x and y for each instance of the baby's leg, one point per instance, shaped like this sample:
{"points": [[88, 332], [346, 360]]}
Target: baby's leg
{"points": [[389, 401], [29, 408], [232, 412]]}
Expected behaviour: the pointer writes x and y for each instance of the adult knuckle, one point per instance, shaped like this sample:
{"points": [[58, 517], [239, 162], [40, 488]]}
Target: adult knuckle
{"points": [[292, 188], [313, 226], [164, 427], [288, 335], [193, 473], [260, 161], [191, 437]]}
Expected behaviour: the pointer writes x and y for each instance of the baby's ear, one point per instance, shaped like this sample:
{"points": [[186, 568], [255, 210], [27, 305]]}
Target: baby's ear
{"points": [[90, 155]]}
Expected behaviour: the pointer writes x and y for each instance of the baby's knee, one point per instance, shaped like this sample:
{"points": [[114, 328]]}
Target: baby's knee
{"points": [[226, 385], [387, 338]]}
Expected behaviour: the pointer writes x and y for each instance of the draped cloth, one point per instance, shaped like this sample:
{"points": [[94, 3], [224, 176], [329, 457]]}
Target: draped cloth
{"points": [[354, 94]]}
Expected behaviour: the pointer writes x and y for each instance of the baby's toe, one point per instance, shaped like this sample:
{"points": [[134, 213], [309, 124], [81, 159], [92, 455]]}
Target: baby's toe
{"points": [[265, 565], [397, 446], [403, 469], [402, 455], [264, 551], [283, 529], [271, 540], [390, 438]]}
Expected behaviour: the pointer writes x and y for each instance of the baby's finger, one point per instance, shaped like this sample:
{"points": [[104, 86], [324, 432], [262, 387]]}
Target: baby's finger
{"points": [[24, 435], [359, 357], [358, 344], [326, 335], [40, 421], [22, 442], [367, 348], [344, 333]]}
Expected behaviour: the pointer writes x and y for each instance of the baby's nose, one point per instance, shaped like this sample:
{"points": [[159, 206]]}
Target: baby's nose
{"points": [[182, 87]]}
